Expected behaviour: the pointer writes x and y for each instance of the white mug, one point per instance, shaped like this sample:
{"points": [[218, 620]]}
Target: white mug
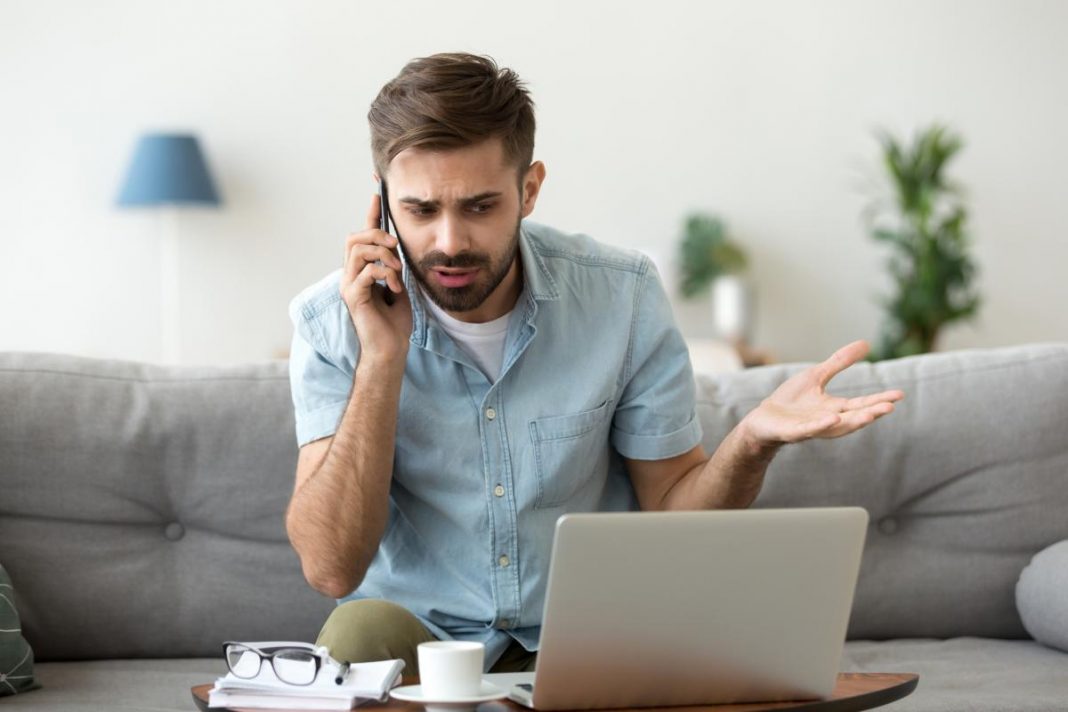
{"points": [[450, 669]]}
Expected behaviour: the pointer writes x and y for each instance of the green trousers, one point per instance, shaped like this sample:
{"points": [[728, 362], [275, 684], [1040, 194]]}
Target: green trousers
{"points": [[371, 629]]}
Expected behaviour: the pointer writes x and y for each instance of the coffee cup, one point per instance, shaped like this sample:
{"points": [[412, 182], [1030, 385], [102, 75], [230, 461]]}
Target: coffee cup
{"points": [[450, 669]]}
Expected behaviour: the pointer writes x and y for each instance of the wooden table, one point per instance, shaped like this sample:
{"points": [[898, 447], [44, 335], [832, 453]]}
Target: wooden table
{"points": [[854, 691]]}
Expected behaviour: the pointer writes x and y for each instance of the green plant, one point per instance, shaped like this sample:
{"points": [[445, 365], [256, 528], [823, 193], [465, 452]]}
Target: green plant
{"points": [[705, 253], [925, 227]]}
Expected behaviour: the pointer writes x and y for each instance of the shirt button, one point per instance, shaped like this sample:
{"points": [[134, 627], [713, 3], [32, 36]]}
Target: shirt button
{"points": [[503, 561], [499, 490], [504, 623], [491, 413]]}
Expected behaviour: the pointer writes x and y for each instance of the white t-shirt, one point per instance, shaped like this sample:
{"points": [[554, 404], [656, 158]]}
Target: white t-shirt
{"points": [[482, 342]]}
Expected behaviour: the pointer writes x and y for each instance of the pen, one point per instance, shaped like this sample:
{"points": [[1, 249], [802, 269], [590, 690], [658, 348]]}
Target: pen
{"points": [[341, 673]]}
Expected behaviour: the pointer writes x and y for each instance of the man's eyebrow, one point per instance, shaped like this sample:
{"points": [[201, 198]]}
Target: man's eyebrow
{"points": [[412, 200]]}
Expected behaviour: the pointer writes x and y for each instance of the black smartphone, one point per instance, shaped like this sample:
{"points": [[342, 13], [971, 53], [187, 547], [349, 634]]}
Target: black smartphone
{"points": [[383, 213], [384, 221]]}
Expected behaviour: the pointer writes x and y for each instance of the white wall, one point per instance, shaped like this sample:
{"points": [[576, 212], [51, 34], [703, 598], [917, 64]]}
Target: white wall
{"points": [[760, 111]]}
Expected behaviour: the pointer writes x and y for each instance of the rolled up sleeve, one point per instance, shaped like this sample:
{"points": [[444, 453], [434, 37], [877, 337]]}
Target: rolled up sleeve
{"points": [[320, 387], [657, 416]]}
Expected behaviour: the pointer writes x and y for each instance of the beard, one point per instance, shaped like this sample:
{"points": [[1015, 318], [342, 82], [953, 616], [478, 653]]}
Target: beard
{"points": [[492, 271]]}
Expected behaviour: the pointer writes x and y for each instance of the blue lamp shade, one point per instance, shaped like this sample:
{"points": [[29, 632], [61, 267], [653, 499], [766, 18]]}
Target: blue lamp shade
{"points": [[168, 168]]}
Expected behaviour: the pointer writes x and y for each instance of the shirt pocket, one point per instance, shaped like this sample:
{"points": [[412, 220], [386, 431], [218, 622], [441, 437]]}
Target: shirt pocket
{"points": [[568, 452]]}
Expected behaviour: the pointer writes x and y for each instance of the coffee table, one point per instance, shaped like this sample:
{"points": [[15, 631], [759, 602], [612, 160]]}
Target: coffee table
{"points": [[854, 691]]}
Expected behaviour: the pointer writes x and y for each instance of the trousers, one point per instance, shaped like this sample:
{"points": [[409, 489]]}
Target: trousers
{"points": [[374, 629]]}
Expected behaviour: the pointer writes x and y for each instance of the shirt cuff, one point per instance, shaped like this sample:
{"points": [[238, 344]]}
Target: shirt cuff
{"points": [[319, 423], [658, 447]]}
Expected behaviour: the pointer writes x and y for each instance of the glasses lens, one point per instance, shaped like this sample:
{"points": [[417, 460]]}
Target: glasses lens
{"points": [[296, 667], [242, 661]]}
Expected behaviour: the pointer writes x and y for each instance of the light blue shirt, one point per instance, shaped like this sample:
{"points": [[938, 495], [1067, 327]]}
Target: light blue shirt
{"points": [[594, 368]]}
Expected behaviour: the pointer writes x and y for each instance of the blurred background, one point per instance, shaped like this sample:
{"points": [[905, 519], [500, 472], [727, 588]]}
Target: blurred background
{"points": [[764, 114]]}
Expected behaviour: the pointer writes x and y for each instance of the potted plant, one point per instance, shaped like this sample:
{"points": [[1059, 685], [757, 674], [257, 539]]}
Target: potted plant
{"points": [[708, 258], [925, 225]]}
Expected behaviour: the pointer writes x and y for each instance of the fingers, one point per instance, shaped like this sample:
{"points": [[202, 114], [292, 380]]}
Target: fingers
{"points": [[367, 247], [815, 427], [361, 255], [865, 401], [854, 420], [840, 360], [375, 272], [370, 255], [369, 237]]}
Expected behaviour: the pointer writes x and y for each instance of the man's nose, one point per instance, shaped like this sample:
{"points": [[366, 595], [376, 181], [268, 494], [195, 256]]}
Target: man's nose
{"points": [[451, 238]]}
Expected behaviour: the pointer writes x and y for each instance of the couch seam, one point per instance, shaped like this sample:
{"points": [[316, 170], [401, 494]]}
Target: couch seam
{"points": [[913, 380], [143, 380]]}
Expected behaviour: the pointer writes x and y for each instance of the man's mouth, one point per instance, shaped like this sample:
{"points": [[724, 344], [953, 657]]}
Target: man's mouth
{"points": [[453, 277]]}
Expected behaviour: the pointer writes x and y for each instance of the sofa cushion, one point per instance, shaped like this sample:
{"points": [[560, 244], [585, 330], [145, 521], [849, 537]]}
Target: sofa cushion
{"points": [[143, 507], [1042, 596], [159, 685], [974, 674], [964, 482], [16, 656]]}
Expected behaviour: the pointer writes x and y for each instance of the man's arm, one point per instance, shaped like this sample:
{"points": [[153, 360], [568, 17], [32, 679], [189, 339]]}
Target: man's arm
{"points": [[340, 503], [730, 479], [798, 410], [338, 511]]}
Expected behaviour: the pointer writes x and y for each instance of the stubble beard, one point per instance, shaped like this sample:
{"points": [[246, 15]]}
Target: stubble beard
{"points": [[470, 297]]}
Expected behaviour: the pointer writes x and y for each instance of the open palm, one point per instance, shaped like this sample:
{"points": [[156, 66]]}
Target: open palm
{"points": [[801, 408]]}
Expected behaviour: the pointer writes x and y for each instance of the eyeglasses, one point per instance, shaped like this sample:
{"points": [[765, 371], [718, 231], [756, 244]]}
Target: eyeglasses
{"points": [[293, 666]]}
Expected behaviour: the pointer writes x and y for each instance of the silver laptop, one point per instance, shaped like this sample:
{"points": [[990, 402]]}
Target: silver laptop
{"points": [[687, 608]]}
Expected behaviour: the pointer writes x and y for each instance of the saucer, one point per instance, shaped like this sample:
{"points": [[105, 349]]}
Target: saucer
{"points": [[414, 693]]}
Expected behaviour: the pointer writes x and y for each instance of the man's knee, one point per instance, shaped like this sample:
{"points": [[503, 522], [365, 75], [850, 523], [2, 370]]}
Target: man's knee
{"points": [[372, 629]]}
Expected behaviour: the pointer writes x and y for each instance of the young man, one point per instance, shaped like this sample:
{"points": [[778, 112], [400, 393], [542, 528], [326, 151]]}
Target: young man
{"points": [[519, 373]]}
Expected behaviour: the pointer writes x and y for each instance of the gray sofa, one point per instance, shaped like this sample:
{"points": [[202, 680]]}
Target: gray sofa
{"points": [[141, 520]]}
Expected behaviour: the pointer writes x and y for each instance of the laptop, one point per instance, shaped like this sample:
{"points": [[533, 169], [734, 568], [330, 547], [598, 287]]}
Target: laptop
{"points": [[651, 609]]}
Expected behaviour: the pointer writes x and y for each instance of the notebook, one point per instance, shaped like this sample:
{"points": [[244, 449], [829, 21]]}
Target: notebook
{"points": [[364, 682]]}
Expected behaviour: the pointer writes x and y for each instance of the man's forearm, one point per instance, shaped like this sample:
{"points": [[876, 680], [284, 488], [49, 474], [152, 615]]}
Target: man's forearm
{"points": [[336, 518], [730, 479]]}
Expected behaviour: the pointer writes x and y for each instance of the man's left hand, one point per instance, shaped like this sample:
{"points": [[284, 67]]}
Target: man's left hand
{"points": [[801, 408]]}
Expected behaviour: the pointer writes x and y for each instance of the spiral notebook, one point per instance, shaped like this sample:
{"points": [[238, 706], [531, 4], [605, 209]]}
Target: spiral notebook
{"points": [[363, 683]]}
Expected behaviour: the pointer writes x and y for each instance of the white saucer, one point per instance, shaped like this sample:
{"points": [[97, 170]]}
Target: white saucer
{"points": [[414, 693]]}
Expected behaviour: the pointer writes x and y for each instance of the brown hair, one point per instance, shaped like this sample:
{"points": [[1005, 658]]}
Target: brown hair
{"points": [[451, 100]]}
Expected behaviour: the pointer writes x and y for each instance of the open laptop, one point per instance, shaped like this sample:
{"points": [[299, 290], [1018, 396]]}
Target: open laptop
{"points": [[685, 608]]}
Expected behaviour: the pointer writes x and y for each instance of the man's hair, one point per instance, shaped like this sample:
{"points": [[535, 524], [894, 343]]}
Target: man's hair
{"points": [[452, 100]]}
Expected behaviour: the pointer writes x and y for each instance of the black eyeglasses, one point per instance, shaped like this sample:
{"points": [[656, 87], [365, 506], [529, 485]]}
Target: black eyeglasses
{"points": [[291, 665]]}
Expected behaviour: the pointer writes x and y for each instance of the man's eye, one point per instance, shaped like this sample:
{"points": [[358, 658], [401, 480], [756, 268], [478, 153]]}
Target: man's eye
{"points": [[482, 208], [421, 211]]}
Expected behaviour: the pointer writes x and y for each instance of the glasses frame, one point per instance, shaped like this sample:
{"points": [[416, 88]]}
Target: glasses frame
{"points": [[269, 657]]}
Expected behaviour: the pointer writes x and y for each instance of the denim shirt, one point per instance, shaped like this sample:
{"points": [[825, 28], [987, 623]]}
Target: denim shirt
{"points": [[594, 369]]}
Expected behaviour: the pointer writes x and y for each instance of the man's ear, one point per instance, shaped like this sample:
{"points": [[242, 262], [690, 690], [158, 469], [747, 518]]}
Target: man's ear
{"points": [[374, 176], [532, 181]]}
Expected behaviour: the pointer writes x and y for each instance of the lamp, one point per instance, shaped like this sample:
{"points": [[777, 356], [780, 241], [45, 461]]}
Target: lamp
{"points": [[167, 171]]}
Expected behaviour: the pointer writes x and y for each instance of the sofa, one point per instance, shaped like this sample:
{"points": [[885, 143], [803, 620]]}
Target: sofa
{"points": [[141, 520]]}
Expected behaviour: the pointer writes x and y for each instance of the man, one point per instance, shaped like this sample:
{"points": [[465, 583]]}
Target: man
{"points": [[519, 373]]}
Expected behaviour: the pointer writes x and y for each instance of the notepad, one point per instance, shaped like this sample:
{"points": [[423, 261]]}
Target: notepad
{"points": [[364, 682]]}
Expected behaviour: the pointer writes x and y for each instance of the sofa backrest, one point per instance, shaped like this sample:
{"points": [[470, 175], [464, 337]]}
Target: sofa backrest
{"points": [[964, 482], [141, 506]]}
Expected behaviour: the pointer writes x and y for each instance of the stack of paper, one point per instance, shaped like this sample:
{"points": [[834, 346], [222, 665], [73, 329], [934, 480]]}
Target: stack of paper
{"points": [[364, 682]]}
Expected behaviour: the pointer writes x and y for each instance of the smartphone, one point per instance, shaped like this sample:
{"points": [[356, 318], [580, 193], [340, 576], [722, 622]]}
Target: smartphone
{"points": [[383, 214], [384, 221]]}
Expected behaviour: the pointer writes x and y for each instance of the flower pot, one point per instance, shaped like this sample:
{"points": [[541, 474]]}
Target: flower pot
{"points": [[733, 308]]}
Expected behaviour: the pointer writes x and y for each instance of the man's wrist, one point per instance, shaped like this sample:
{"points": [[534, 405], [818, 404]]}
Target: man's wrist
{"points": [[752, 444], [389, 365]]}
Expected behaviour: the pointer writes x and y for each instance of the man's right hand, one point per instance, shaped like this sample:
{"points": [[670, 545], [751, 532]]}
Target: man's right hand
{"points": [[384, 330]]}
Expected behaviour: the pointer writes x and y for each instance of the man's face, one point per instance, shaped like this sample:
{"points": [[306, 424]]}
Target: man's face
{"points": [[457, 213]]}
